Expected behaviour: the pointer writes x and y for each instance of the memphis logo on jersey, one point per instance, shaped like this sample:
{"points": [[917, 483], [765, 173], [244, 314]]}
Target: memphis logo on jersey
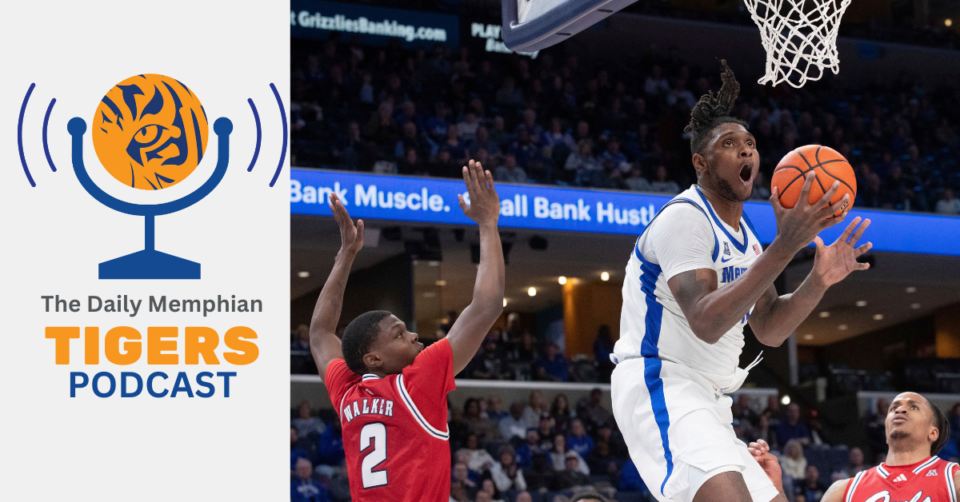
{"points": [[732, 273], [150, 132]]}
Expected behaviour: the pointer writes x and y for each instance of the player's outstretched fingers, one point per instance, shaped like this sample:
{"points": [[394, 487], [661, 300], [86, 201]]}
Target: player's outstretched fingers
{"points": [[845, 236], [333, 208], [859, 233], [467, 179], [862, 249], [804, 200], [833, 209], [827, 196], [463, 203], [837, 207], [489, 177], [477, 172], [340, 213]]}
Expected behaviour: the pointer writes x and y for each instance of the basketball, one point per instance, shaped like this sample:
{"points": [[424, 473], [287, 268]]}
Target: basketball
{"points": [[829, 167]]}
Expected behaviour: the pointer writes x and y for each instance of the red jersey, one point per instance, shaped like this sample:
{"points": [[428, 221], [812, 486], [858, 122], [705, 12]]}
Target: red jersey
{"points": [[928, 481], [395, 428]]}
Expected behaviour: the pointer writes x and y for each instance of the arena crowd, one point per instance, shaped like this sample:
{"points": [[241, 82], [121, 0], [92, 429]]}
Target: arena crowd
{"points": [[561, 120]]}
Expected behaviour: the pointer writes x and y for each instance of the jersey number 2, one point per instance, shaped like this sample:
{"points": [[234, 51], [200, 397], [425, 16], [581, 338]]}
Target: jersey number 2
{"points": [[376, 432]]}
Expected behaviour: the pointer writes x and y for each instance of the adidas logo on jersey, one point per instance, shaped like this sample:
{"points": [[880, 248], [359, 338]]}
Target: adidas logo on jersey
{"points": [[931, 473], [899, 478]]}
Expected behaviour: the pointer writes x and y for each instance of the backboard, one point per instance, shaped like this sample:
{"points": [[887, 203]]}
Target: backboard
{"points": [[531, 25]]}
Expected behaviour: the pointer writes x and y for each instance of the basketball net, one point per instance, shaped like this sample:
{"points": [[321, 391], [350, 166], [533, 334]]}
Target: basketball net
{"points": [[799, 36]]}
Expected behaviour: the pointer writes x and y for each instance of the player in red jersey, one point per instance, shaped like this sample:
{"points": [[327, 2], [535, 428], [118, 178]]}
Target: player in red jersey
{"points": [[916, 430], [390, 392]]}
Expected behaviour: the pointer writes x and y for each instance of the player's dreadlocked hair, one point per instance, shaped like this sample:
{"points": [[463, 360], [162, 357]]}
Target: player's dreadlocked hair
{"points": [[358, 338], [942, 424], [713, 110]]}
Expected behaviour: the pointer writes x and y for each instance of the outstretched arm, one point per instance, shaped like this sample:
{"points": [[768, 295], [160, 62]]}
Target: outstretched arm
{"points": [[711, 312], [472, 326], [324, 344], [775, 317]]}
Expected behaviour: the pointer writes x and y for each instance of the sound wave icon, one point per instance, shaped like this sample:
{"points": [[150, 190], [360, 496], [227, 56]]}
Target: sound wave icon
{"points": [[283, 120], [253, 161], [46, 121]]}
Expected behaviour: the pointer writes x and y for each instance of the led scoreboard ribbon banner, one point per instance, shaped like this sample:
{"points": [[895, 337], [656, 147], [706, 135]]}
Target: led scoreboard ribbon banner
{"points": [[536, 207], [317, 19]]}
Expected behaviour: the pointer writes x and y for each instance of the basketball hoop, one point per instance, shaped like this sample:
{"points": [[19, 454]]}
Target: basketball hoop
{"points": [[799, 36]]}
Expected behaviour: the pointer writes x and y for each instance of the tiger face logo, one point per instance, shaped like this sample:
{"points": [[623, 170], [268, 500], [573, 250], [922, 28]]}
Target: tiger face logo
{"points": [[150, 132]]}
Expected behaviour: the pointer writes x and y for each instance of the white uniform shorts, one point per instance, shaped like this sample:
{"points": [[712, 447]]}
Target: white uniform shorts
{"points": [[678, 427]]}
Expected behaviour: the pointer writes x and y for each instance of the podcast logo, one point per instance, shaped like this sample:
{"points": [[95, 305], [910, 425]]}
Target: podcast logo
{"points": [[150, 132]]}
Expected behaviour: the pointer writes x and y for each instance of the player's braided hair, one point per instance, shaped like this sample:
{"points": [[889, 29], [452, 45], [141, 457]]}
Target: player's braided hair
{"points": [[713, 110], [358, 338], [942, 424]]}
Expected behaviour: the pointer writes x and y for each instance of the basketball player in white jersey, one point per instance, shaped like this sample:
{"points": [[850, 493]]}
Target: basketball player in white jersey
{"points": [[695, 277]]}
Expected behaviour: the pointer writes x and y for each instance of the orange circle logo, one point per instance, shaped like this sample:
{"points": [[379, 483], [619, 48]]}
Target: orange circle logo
{"points": [[150, 132]]}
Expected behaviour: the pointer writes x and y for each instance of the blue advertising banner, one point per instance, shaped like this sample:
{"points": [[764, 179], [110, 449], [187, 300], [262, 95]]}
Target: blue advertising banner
{"points": [[374, 25], [429, 200]]}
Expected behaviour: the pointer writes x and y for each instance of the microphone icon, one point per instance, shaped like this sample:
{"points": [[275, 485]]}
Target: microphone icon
{"points": [[151, 142]]}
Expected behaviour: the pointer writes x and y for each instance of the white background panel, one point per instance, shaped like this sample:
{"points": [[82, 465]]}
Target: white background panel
{"points": [[54, 236]]}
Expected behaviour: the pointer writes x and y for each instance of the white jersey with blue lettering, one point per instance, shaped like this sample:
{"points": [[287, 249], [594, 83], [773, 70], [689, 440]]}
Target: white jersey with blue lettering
{"points": [[685, 235]]}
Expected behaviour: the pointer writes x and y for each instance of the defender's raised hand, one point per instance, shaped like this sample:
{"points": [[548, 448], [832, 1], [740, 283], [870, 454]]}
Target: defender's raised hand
{"points": [[797, 226], [351, 237], [481, 205], [324, 344], [484, 206]]}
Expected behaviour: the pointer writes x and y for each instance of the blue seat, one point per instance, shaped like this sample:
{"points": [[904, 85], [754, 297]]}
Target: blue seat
{"points": [[599, 478], [630, 497], [493, 448]]}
